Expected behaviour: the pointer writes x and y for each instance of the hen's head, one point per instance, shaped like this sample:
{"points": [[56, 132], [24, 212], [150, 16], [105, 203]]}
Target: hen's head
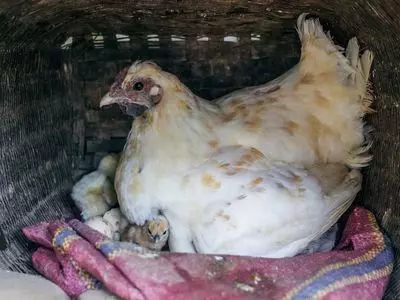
{"points": [[141, 87]]}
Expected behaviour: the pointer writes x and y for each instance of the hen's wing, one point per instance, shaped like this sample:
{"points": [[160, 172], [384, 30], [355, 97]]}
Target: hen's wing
{"points": [[287, 79], [243, 204]]}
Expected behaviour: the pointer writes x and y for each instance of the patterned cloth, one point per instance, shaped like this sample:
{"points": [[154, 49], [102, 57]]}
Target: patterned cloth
{"points": [[78, 258]]}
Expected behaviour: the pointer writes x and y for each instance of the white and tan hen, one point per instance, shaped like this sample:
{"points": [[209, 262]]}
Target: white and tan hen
{"points": [[262, 171]]}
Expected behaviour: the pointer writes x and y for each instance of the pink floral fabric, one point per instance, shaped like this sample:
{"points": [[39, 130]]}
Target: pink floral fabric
{"points": [[78, 258]]}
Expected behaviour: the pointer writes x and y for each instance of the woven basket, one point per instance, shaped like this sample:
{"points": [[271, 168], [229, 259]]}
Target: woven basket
{"points": [[59, 57]]}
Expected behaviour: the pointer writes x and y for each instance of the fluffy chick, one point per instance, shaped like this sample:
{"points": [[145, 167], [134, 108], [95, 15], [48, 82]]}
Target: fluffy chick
{"points": [[94, 193], [101, 225], [109, 224], [114, 217], [152, 235]]}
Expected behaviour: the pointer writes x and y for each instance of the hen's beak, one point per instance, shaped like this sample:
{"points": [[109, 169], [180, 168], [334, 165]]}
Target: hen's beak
{"points": [[132, 108], [107, 100]]}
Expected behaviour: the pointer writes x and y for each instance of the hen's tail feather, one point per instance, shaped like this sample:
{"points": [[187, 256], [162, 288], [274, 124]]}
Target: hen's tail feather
{"points": [[360, 157], [323, 56], [319, 54], [360, 78], [362, 81], [352, 54]]}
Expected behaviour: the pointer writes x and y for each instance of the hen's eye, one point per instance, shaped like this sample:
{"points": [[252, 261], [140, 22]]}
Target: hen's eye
{"points": [[138, 86]]}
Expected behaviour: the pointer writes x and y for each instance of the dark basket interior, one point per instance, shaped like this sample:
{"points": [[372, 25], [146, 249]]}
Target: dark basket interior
{"points": [[59, 57]]}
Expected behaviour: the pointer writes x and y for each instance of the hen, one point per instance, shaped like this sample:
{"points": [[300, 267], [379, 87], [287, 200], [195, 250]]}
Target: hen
{"points": [[94, 193], [262, 171]]}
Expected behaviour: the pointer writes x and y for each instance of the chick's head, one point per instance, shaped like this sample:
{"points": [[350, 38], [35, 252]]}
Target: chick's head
{"points": [[157, 230], [108, 165]]}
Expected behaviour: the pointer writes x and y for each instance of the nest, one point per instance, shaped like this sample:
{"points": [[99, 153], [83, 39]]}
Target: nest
{"points": [[59, 57]]}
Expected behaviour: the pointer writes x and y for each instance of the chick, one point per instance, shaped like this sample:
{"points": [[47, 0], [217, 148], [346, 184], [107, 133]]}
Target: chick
{"points": [[94, 193], [152, 235], [108, 165], [108, 224], [113, 217], [101, 225]]}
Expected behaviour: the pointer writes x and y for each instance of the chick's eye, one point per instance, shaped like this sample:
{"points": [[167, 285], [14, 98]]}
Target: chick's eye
{"points": [[149, 231], [165, 232], [138, 86]]}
